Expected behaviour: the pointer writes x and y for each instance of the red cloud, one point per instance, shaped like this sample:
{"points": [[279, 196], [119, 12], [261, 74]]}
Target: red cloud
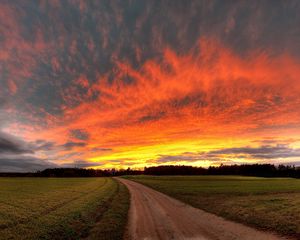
{"points": [[210, 92]]}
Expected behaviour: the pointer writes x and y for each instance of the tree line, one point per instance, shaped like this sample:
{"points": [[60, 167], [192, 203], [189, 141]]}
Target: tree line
{"points": [[259, 170]]}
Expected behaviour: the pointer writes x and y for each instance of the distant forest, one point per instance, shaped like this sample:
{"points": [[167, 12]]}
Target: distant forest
{"points": [[259, 170]]}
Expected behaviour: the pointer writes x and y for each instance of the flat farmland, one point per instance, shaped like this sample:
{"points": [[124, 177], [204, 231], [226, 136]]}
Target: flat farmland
{"points": [[265, 203], [62, 208]]}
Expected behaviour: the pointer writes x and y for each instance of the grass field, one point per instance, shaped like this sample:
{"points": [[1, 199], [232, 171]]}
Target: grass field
{"points": [[62, 208], [269, 204]]}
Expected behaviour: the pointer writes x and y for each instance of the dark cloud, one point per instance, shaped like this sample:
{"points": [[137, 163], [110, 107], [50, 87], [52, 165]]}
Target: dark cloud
{"points": [[44, 145], [80, 164], [3, 102], [62, 41], [188, 157], [262, 152], [152, 117], [23, 164], [70, 145], [198, 100], [10, 144], [100, 149], [123, 161], [79, 134], [266, 152], [17, 155]]}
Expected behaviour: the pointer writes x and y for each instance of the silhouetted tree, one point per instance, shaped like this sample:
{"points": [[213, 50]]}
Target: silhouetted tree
{"points": [[259, 170]]}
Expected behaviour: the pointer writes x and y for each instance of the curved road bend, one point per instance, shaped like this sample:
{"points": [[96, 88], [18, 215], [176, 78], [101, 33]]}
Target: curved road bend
{"points": [[154, 215]]}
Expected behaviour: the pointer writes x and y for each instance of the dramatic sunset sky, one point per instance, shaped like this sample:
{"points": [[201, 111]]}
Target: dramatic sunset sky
{"points": [[134, 83]]}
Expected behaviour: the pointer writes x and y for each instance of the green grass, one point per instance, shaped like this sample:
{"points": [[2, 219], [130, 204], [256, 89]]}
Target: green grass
{"points": [[266, 203], [113, 222], [62, 208]]}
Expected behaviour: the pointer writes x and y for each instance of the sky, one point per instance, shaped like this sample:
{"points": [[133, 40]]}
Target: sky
{"points": [[134, 83]]}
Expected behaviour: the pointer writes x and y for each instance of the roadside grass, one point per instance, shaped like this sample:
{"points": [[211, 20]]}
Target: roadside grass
{"points": [[113, 222], [60, 208], [271, 204]]}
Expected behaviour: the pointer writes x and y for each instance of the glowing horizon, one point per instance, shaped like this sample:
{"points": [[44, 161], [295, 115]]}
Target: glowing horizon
{"points": [[111, 84]]}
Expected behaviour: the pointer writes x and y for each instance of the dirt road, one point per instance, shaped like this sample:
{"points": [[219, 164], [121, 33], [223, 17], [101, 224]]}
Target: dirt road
{"points": [[153, 215]]}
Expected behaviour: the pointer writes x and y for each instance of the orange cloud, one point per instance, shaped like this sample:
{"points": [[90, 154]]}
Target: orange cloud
{"points": [[209, 98]]}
